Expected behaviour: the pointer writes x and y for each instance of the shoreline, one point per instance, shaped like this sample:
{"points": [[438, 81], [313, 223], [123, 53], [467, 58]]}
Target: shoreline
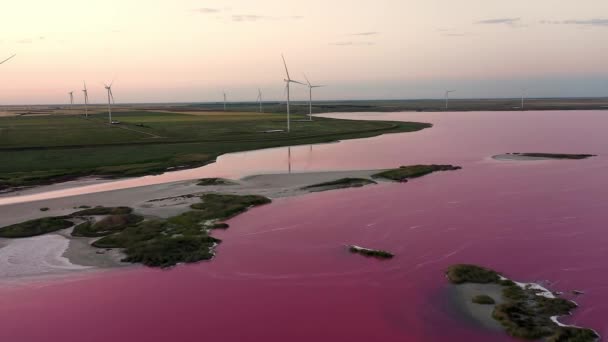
{"points": [[489, 300], [65, 254]]}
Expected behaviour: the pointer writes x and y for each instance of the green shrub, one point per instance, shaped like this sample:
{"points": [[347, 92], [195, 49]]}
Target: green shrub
{"points": [[484, 300], [35, 227]]}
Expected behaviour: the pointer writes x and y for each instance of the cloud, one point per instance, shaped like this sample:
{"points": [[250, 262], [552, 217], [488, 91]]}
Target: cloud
{"points": [[352, 43], [452, 33], [371, 33], [588, 22], [207, 10], [249, 17], [500, 21]]}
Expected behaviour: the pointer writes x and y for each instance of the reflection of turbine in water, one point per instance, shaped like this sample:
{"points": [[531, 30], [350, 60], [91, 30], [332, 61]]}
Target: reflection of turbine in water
{"points": [[289, 159], [309, 159]]}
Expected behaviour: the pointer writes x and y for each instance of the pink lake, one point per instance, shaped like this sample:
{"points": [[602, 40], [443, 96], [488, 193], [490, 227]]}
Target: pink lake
{"points": [[283, 273]]}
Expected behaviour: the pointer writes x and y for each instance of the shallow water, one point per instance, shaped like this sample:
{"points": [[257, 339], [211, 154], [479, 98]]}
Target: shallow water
{"points": [[34, 256], [283, 272]]}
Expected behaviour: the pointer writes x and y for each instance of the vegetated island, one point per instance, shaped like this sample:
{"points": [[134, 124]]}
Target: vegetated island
{"points": [[342, 183], [215, 182], [404, 173], [542, 156], [184, 238], [35, 227], [375, 253], [526, 311]]}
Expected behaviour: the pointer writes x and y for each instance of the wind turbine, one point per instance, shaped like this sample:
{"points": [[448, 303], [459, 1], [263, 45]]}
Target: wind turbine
{"points": [[447, 97], [224, 101], [523, 97], [260, 100], [71, 100], [8, 59], [86, 100], [288, 82], [310, 88], [110, 100]]}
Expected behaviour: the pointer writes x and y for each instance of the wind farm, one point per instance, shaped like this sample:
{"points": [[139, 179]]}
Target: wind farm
{"points": [[388, 193], [310, 88], [447, 98], [85, 92], [110, 102]]}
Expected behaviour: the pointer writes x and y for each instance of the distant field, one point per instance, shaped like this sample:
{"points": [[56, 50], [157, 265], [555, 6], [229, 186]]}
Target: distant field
{"points": [[431, 105], [51, 148], [301, 107]]}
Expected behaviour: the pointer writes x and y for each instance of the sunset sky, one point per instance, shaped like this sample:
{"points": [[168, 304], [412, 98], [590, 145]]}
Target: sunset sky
{"points": [[192, 50]]}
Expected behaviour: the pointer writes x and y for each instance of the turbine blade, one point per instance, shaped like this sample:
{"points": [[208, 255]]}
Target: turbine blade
{"points": [[307, 81], [8, 59], [285, 64], [294, 81], [112, 96]]}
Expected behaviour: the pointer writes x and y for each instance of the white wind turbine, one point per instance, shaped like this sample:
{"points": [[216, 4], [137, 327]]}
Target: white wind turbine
{"points": [[523, 97], [288, 81], [447, 98], [8, 59], [86, 100], [110, 100], [260, 100], [310, 88], [71, 100]]}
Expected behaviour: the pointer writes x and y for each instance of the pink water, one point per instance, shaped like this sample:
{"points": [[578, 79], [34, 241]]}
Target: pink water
{"points": [[282, 273]]}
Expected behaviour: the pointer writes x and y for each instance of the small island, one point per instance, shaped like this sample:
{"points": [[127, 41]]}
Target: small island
{"points": [[343, 183], [404, 173], [542, 156], [374, 253], [35, 227], [526, 311], [215, 182]]}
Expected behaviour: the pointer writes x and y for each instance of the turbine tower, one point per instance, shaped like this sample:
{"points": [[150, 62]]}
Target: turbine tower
{"points": [[8, 59], [86, 100], [260, 100], [523, 97], [310, 88], [110, 100], [224, 101], [288, 82], [71, 100], [447, 98]]}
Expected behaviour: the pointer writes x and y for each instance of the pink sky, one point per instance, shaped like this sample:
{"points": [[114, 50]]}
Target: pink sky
{"points": [[160, 51]]}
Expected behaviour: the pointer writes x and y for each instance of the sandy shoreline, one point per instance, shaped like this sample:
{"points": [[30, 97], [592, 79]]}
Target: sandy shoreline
{"points": [[475, 313], [59, 252]]}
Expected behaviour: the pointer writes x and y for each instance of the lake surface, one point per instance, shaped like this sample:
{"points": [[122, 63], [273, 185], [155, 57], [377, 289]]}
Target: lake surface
{"points": [[283, 273]]}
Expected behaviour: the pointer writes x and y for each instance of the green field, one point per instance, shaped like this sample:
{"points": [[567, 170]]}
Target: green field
{"points": [[422, 105], [45, 149]]}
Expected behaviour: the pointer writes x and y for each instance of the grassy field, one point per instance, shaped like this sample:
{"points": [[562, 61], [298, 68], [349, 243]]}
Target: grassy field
{"points": [[46, 149], [301, 107], [424, 105]]}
